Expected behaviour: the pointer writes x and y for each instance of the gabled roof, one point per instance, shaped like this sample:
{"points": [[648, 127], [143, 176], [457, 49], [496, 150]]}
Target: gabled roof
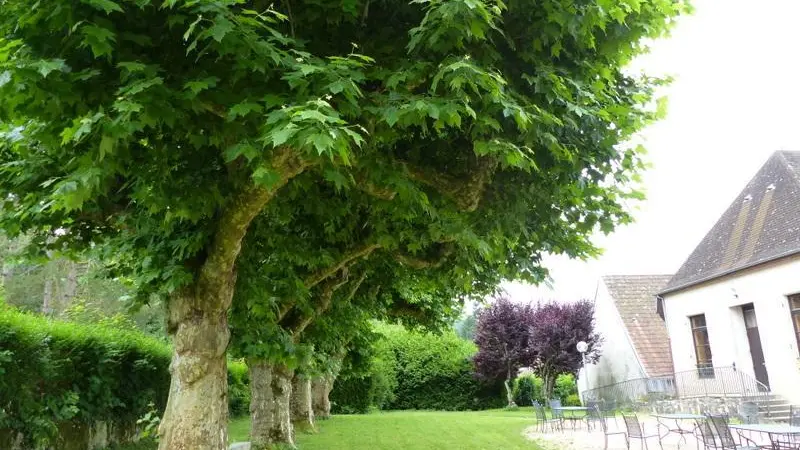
{"points": [[635, 299], [762, 224]]}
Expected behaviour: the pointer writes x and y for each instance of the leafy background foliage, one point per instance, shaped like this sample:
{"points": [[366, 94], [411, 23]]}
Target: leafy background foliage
{"points": [[54, 373], [416, 370], [528, 388]]}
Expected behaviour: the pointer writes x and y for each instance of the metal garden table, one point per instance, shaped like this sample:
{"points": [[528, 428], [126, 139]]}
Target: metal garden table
{"points": [[776, 432], [671, 424], [573, 413]]}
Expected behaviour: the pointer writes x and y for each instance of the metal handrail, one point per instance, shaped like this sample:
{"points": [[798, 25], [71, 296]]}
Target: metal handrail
{"points": [[701, 382]]}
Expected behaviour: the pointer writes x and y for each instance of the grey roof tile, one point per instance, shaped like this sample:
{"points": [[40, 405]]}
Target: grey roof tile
{"points": [[761, 225], [635, 298]]}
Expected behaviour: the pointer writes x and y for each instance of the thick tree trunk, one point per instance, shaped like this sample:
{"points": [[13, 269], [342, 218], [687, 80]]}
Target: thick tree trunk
{"points": [[302, 412], [261, 404], [270, 412], [320, 397], [196, 417], [281, 430]]}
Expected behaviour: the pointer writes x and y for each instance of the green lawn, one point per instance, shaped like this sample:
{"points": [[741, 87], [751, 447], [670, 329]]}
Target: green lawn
{"points": [[414, 430]]}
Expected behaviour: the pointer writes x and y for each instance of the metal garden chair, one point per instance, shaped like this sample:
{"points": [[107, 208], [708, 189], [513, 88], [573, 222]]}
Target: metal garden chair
{"points": [[556, 412], [636, 431], [544, 422], [606, 433], [794, 416], [609, 409], [593, 414], [719, 425], [748, 411], [706, 434]]}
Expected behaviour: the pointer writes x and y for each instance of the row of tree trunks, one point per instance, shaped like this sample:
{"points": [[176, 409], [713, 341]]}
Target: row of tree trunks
{"points": [[270, 411]]}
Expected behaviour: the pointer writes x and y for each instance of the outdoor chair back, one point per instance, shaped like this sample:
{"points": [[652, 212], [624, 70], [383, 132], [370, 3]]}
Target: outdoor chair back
{"points": [[632, 425], [636, 430], [794, 415], [707, 436], [748, 412], [538, 411], [555, 405], [543, 421], [594, 415], [609, 409], [719, 425]]}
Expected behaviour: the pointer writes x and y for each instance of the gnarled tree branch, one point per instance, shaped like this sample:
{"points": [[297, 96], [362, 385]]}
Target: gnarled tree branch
{"points": [[325, 300], [466, 193], [419, 263], [323, 274], [239, 212]]}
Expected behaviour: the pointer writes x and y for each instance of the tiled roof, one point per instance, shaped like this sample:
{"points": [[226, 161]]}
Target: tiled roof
{"points": [[762, 224], [635, 298]]}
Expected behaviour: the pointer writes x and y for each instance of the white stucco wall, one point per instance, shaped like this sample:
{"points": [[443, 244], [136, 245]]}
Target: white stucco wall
{"points": [[618, 360], [766, 287]]}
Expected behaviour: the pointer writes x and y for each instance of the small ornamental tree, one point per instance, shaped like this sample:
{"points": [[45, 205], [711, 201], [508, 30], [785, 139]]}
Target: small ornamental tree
{"points": [[556, 329], [502, 335]]}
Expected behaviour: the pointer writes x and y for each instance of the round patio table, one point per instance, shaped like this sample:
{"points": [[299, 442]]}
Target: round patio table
{"points": [[775, 431], [572, 413], [671, 423]]}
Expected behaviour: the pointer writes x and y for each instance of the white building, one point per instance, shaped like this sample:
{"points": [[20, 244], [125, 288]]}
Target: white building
{"points": [[736, 299], [636, 344]]}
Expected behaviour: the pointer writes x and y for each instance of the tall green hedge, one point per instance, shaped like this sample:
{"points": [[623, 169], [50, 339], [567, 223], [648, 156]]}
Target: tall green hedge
{"points": [[54, 373], [426, 371]]}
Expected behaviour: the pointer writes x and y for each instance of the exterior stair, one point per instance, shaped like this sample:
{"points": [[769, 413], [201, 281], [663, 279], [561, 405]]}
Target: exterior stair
{"points": [[773, 407]]}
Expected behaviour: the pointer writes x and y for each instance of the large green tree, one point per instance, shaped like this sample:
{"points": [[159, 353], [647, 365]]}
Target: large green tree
{"points": [[157, 131]]}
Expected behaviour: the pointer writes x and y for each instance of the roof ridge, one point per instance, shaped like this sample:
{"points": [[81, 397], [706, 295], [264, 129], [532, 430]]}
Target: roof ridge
{"points": [[794, 171], [637, 275]]}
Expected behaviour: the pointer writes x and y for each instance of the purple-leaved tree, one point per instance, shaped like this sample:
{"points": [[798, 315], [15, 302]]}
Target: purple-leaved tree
{"points": [[503, 335], [556, 329]]}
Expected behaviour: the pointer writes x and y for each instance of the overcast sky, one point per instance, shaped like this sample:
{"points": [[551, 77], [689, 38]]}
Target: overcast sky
{"points": [[734, 101]]}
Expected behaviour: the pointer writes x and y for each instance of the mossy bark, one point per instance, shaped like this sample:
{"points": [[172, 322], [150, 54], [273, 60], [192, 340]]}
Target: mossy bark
{"points": [[196, 416], [320, 397], [270, 413], [302, 411]]}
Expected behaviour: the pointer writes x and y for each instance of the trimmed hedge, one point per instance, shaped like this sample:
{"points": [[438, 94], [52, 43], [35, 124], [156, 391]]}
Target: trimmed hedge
{"points": [[426, 371], [56, 374]]}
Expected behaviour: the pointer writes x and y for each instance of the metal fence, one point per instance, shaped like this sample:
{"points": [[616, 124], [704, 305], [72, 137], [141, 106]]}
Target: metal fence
{"points": [[710, 382]]}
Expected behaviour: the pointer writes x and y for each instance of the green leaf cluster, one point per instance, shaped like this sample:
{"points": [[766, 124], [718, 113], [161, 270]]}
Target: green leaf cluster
{"points": [[56, 374], [414, 370]]}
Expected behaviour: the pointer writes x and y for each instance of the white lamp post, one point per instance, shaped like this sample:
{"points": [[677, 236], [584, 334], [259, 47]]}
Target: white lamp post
{"points": [[582, 348]]}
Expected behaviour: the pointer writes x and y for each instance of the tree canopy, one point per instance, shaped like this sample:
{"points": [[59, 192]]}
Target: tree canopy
{"points": [[154, 132], [503, 337], [556, 329]]}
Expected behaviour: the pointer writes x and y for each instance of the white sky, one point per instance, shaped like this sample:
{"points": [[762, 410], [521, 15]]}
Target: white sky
{"points": [[734, 101]]}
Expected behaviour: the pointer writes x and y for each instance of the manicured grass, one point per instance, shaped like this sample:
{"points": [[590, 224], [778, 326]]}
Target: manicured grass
{"points": [[414, 430]]}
